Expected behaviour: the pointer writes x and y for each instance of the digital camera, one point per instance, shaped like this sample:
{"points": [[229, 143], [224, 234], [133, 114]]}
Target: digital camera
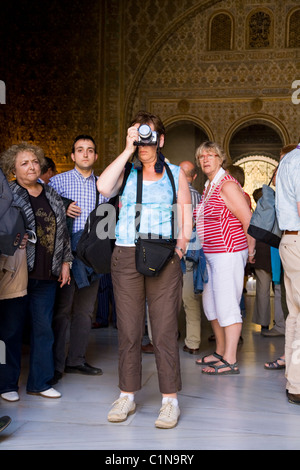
{"points": [[146, 136]]}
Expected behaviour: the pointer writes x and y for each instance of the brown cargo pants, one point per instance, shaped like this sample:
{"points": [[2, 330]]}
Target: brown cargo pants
{"points": [[164, 296]]}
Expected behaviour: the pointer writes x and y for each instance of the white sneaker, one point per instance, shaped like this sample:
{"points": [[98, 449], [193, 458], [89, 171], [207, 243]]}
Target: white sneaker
{"points": [[121, 409], [168, 416], [10, 396], [49, 393]]}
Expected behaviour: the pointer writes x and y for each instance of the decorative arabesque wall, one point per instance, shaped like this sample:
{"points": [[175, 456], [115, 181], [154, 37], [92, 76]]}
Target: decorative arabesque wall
{"points": [[221, 65], [225, 67], [50, 63]]}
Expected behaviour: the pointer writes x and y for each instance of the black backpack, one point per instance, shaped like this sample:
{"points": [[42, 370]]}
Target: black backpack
{"points": [[97, 241], [12, 220]]}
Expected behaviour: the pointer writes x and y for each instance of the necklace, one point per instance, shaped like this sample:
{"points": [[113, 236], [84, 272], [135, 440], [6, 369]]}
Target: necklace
{"points": [[207, 195]]}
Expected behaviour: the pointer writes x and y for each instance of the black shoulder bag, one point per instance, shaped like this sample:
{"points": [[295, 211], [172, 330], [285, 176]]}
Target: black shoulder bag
{"points": [[153, 251]]}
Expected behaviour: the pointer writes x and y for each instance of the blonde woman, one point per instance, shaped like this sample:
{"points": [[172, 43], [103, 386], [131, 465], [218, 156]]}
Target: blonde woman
{"points": [[223, 217]]}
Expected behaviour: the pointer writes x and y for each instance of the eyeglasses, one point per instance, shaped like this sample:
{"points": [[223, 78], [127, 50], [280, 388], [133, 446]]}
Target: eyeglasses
{"points": [[209, 156]]}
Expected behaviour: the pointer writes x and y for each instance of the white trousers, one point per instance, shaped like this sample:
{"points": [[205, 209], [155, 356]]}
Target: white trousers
{"points": [[222, 294]]}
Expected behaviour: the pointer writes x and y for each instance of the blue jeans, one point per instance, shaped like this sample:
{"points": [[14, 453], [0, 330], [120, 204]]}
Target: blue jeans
{"points": [[105, 298], [12, 319], [41, 298]]}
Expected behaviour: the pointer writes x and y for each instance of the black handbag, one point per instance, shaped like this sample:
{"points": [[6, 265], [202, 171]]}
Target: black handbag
{"points": [[153, 251], [97, 241]]}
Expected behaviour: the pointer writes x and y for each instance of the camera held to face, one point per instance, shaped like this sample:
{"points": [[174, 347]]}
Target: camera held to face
{"points": [[146, 136]]}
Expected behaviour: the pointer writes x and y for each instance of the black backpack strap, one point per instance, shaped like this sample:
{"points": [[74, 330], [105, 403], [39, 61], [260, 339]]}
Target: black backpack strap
{"points": [[97, 193], [170, 175], [127, 171], [139, 190]]}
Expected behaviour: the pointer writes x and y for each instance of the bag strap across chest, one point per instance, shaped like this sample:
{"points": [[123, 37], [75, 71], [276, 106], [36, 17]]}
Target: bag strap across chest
{"points": [[139, 191]]}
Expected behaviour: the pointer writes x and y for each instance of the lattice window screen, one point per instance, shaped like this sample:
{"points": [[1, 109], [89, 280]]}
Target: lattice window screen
{"points": [[220, 32], [259, 30], [294, 28]]}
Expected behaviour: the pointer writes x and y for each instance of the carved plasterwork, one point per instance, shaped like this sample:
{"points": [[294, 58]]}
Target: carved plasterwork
{"points": [[50, 64], [259, 29], [258, 170], [90, 66], [223, 87]]}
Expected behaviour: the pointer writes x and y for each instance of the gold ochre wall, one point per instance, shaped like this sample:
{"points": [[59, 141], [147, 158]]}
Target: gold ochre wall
{"points": [[87, 66]]}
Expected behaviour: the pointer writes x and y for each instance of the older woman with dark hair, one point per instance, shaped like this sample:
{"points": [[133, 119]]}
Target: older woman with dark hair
{"points": [[222, 219], [48, 261]]}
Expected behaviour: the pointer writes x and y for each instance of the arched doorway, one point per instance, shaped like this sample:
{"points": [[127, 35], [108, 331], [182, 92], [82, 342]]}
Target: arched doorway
{"points": [[255, 137], [258, 170], [182, 139], [255, 146]]}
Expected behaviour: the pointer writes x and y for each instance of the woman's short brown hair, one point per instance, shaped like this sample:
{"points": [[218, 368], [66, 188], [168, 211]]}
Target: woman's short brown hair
{"points": [[8, 157], [144, 117]]}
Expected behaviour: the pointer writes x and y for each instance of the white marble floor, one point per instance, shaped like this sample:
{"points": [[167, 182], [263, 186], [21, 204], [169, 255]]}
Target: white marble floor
{"points": [[249, 411]]}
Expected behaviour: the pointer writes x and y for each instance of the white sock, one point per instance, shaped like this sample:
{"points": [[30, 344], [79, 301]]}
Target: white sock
{"points": [[129, 395], [174, 401]]}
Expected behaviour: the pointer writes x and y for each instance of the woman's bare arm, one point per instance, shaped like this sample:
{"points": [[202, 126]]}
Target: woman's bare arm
{"points": [[236, 202], [185, 219], [110, 180]]}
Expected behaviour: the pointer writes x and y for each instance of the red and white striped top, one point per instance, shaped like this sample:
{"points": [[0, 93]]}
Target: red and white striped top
{"points": [[218, 229]]}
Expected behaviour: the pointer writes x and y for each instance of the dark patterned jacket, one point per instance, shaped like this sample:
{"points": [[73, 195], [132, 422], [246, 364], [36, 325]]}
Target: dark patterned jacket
{"points": [[62, 248]]}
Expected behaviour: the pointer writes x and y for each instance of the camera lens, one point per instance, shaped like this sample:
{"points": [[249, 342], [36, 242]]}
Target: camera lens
{"points": [[145, 131]]}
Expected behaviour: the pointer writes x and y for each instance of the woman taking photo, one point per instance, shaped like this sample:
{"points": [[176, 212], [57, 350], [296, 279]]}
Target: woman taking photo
{"points": [[131, 288], [48, 262], [222, 220]]}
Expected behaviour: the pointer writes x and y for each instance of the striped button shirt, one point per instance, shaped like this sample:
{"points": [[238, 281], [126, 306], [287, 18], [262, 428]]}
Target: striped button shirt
{"points": [[72, 185], [195, 196], [218, 229]]}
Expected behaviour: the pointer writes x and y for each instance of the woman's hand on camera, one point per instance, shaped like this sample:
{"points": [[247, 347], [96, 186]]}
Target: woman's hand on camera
{"points": [[132, 136]]}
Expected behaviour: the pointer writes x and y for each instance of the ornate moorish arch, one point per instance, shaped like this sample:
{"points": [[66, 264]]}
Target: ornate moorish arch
{"points": [[266, 119], [177, 118], [157, 44], [260, 159]]}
